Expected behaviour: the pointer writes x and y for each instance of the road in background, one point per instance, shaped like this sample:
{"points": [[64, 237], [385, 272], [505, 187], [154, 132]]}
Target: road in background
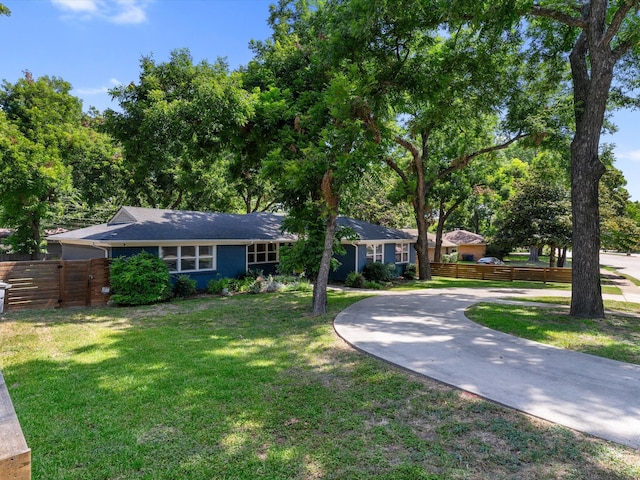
{"points": [[627, 264]]}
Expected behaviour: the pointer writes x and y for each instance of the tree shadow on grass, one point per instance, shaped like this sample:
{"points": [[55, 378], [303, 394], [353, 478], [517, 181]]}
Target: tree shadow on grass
{"points": [[256, 388]]}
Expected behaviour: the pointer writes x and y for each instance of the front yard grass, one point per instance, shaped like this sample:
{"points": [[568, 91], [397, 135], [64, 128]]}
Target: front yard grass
{"points": [[448, 282], [616, 337], [252, 387]]}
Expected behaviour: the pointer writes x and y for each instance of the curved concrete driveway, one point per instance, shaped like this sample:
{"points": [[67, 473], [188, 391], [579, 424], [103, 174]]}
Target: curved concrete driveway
{"points": [[427, 332]]}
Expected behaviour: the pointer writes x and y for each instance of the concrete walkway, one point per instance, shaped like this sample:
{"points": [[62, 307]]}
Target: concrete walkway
{"points": [[630, 291], [427, 332]]}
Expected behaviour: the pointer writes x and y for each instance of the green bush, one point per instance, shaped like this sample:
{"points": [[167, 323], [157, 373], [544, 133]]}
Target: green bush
{"points": [[140, 280], [354, 280], [410, 271], [297, 286], [450, 258], [373, 285], [216, 286], [184, 287], [379, 272]]}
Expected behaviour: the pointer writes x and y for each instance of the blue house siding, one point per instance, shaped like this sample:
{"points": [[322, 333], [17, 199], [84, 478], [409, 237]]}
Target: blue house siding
{"points": [[348, 264], [232, 260], [389, 256], [362, 256], [134, 229], [202, 278], [389, 252]]}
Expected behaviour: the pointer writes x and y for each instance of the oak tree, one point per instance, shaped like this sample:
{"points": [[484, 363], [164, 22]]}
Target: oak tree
{"points": [[601, 39]]}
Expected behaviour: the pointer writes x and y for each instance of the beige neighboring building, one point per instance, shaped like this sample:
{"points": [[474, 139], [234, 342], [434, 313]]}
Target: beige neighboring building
{"points": [[469, 244], [447, 246]]}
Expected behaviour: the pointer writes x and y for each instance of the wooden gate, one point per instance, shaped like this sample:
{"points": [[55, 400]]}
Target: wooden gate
{"points": [[55, 284]]}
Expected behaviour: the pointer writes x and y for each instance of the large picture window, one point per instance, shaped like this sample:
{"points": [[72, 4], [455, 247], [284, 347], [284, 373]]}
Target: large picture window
{"points": [[262, 253], [375, 253], [189, 258], [402, 253]]}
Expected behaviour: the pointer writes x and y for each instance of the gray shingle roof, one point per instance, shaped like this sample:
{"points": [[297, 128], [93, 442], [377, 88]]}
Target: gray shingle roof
{"points": [[370, 231], [149, 224]]}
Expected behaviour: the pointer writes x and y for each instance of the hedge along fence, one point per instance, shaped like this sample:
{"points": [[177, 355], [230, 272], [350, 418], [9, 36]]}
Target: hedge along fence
{"points": [[15, 455], [55, 284], [501, 272]]}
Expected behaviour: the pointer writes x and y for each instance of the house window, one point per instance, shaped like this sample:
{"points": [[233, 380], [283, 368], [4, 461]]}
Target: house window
{"points": [[402, 253], [188, 258], [262, 253], [374, 253]]}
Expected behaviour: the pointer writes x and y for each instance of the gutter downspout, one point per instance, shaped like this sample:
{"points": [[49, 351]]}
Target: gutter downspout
{"points": [[104, 249]]}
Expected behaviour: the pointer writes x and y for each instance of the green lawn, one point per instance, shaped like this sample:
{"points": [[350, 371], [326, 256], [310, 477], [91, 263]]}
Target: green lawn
{"points": [[252, 387], [617, 336], [448, 282], [522, 259]]}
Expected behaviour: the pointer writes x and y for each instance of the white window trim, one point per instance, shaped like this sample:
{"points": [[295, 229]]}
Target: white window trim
{"points": [[404, 246], [268, 244], [197, 257], [374, 246]]}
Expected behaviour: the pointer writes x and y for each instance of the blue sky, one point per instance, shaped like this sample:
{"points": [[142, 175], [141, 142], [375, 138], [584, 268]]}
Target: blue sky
{"points": [[97, 44]]}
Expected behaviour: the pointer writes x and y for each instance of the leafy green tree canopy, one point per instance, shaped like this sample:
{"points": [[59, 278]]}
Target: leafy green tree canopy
{"points": [[47, 150], [174, 127]]}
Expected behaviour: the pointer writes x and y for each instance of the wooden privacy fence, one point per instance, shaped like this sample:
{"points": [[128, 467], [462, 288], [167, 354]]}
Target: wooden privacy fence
{"points": [[47, 284], [501, 272]]}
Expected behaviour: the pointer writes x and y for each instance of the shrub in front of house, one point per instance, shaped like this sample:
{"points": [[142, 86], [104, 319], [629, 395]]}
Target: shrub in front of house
{"points": [[252, 283], [379, 272], [184, 287], [140, 280], [355, 280], [410, 271], [220, 285]]}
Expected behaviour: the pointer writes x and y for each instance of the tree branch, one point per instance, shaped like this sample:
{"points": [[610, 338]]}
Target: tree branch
{"points": [[407, 144], [539, 11], [622, 48], [461, 162], [580, 74], [394, 166], [616, 22]]}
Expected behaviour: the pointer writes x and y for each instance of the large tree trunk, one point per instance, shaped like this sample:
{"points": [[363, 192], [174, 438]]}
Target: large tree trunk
{"points": [[422, 244], [533, 254], [34, 224], [320, 286], [586, 293], [562, 256], [332, 201], [590, 91], [442, 218], [443, 214]]}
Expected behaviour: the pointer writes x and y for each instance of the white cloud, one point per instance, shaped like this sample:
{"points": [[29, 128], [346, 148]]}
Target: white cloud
{"points": [[131, 11], [630, 155], [92, 91], [113, 82], [84, 6], [115, 11]]}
